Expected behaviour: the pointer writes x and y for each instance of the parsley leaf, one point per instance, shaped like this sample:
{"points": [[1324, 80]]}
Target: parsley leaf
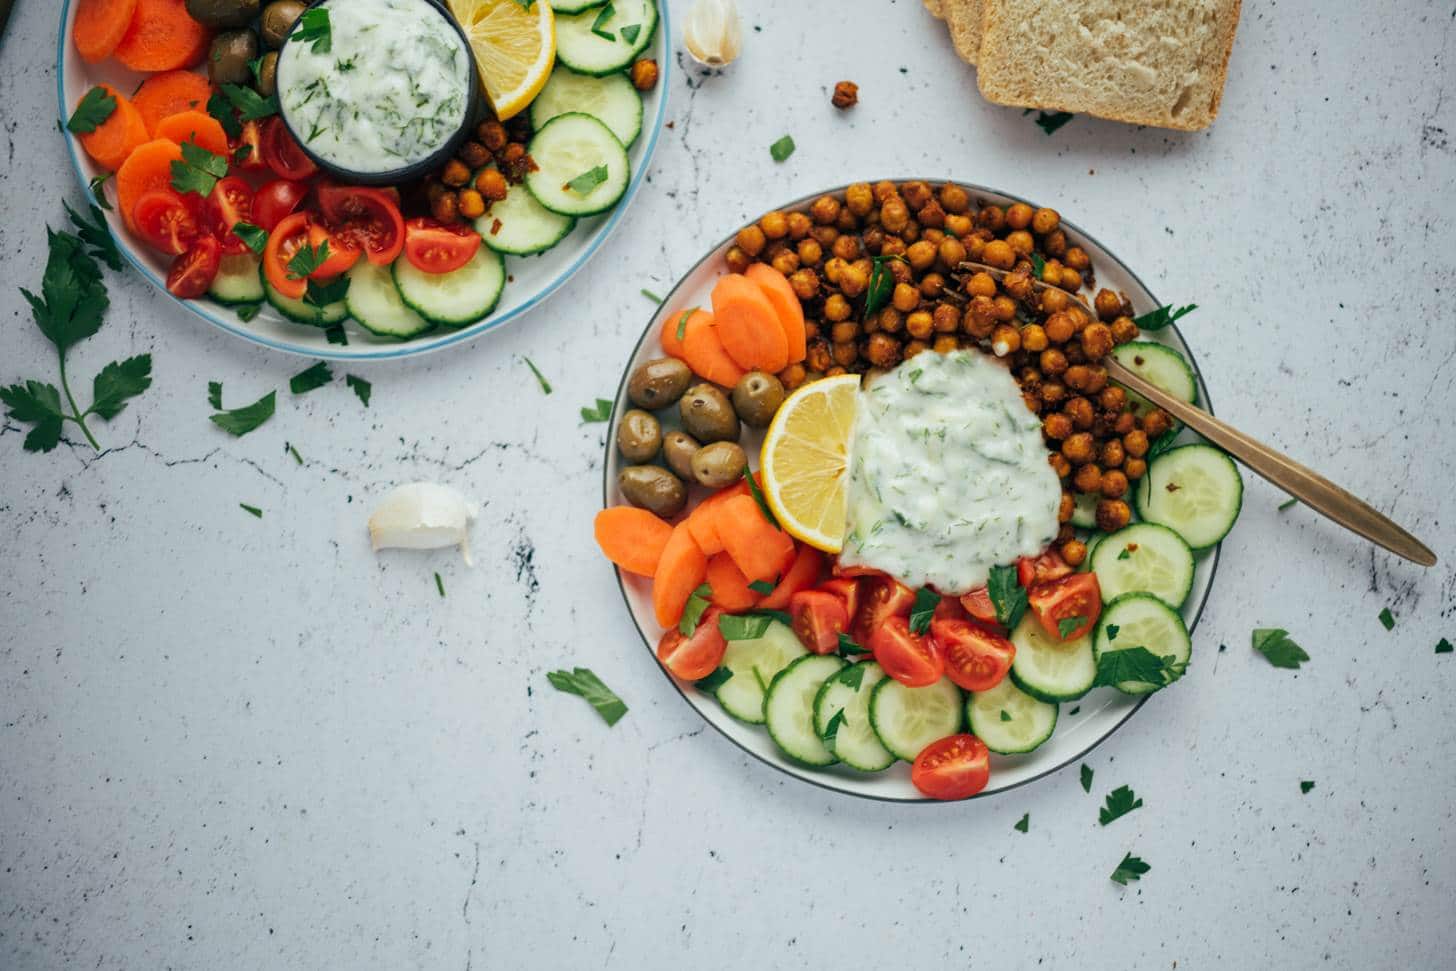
{"points": [[757, 494], [1120, 802], [119, 381], [1007, 596], [581, 681], [1387, 619], [1086, 777], [745, 628], [693, 610], [1023, 824], [314, 27], [254, 237], [604, 16], [1163, 316], [95, 107], [198, 170], [540, 378], [1137, 664], [851, 676], [715, 680], [95, 234], [439, 584], [239, 421], [588, 180], [335, 334], [1161, 444], [1274, 644], [1112, 629], [307, 259], [1005, 715], [250, 105], [631, 32], [761, 586], [38, 405], [97, 185], [848, 646], [322, 294], [1443, 646], [1131, 868], [247, 311], [682, 322], [1305, 786], [310, 378], [782, 148], [214, 394], [926, 600], [1124, 554], [1037, 265], [1067, 625], [831, 730], [601, 412], [221, 108], [1050, 121], [72, 299], [252, 509], [361, 387]]}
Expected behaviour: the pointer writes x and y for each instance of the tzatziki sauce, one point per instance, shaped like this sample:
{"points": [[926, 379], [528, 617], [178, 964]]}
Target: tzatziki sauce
{"points": [[948, 474], [389, 88]]}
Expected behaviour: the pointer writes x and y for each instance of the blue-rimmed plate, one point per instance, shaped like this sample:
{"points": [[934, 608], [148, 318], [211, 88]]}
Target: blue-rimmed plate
{"points": [[531, 279]]}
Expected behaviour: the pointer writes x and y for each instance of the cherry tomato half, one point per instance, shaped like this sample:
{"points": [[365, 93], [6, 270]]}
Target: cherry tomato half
{"points": [[1048, 566], [906, 656], [368, 219], [286, 239], [880, 599], [281, 152], [978, 604], [696, 657], [819, 618], [246, 151], [434, 247], [167, 221], [1076, 597], [846, 589], [341, 253], [802, 574], [955, 767], [975, 658], [229, 203], [275, 200], [193, 272]]}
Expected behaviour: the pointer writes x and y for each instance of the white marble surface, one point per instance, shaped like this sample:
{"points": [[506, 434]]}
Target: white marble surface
{"points": [[233, 743]]}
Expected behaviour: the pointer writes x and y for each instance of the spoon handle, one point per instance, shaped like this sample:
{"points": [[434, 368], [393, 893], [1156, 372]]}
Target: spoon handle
{"points": [[1309, 487]]}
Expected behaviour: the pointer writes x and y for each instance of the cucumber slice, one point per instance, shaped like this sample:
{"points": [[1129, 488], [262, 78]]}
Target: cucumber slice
{"points": [[305, 313], [1162, 367], [1144, 558], [373, 300], [521, 226], [788, 708], [570, 146], [456, 298], [592, 44], [855, 743], [611, 100], [1048, 669], [1084, 510], [1009, 720], [237, 281], [1142, 620], [1195, 490], [573, 6], [754, 664], [907, 719]]}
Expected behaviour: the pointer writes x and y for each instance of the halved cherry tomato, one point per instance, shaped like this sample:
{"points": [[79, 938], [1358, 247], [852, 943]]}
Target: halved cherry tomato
{"points": [[949, 608], [251, 139], [906, 656], [819, 619], [229, 203], [275, 200], [341, 253], [880, 599], [696, 657], [368, 219], [286, 239], [1073, 597], [282, 153], [193, 272], [167, 221], [802, 574], [1048, 566], [856, 571], [846, 589], [955, 767], [434, 247], [978, 604], [975, 658]]}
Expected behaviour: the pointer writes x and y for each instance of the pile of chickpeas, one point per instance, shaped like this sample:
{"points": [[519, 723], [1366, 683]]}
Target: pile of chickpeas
{"points": [[921, 235], [456, 193]]}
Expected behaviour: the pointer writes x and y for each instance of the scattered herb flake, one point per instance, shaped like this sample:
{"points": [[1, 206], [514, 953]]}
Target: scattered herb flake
{"points": [[222, 110], [307, 259], [1067, 625], [1023, 824], [1120, 802], [1162, 443], [777, 615], [1007, 596], [439, 584], [1050, 121], [310, 378], [926, 600], [1163, 316], [631, 32], [715, 680], [1086, 777], [782, 148], [602, 411], [294, 452], [693, 610], [1131, 868], [581, 681], [651, 296], [540, 378], [1274, 643], [239, 421], [747, 627], [248, 311], [252, 509], [1443, 646], [682, 322], [604, 17], [851, 676], [250, 105], [214, 394], [361, 387], [1288, 503], [763, 587], [91, 113], [877, 292], [1306, 785], [1137, 664], [848, 646], [1112, 630], [1387, 619], [831, 730], [321, 294], [97, 185], [757, 494], [1038, 264], [588, 180], [1005, 715], [255, 237], [1124, 554]]}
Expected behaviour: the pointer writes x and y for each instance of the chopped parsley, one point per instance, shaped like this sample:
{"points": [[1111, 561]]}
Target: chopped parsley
{"points": [[757, 494], [322, 294], [1387, 619], [631, 32], [1275, 644], [254, 237], [581, 681], [604, 17], [1306, 785], [831, 730], [315, 376], [693, 610], [361, 387], [1288, 503], [250, 105], [314, 27], [1112, 630], [1005, 715], [1086, 777], [254, 510], [1443, 646], [439, 584], [715, 680], [926, 600], [95, 107], [248, 311], [761, 586], [239, 421], [1138, 664], [1067, 625], [1120, 802], [851, 676], [1131, 868], [198, 170], [782, 149], [682, 322], [743, 628], [97, 185], [1163, 316], [602, 411], [1050, 121], [288, 447], [651, 296], [588, 180], [94, 232], [307, 260], [1007, 596], [1023, 824], [848, 646]]}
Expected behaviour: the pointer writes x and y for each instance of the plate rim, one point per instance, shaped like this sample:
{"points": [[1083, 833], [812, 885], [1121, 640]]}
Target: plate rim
{"points": [[380, 352], [826, 784]]}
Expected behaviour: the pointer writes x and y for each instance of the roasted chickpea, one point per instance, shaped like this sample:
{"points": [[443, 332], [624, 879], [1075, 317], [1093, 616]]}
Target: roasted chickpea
{"points": [[474, 154], [1077, 376], [805, 283], [1078, 448], [786, 262], [845, 354], [775, 224], [1054, 302], [930, 215], [893, 246], [1005, 339], [737, 260], [890, 320], [819, 357], [792, 376], [1080, 410], [975, 247], [945, 343], [1070, 279], [810, 252], [980, 317], [1056, 426], [1135, 469], [992, 218], [492, 134], [1055, 244], [1017, 284], [1065, 508], [894, 214], [1156, 422], [900, 272], [1044, 221], [1126, 423], [998, 253], [946, 317], [919, 324], [644, 74], [882, 350], [751, 239], [853, 280], [1052, 361], [1112, 514], [859, 198], [1059, 328], [1114, 484], [1107, 304], [844, 332], [491, 184], [824, 210], [1021, 242], [1005, 308], [921, 255], [1124, 330], [1074, 551], [834, 268], [445, 207], [914, 347], [981, 284], [1051, 273], [455, 173], [1060, 466], [1135, 443], [836, 307], [1112, 454], [957, 224], [1033, 338], [952, 252], [905, 297], [1076, 257], [1053, 393], [916, 193], [1018, 215], [954, 199], [931, 285], [472, 204], [1096, 378]]}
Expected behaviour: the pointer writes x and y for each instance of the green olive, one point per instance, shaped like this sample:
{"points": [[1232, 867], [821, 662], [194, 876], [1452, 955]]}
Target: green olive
{"points": [[756, 397], [658, 383], [223, 13], [227, 60], [678, 448], [653, 488], [720, 464], [707, 415], [268, 75], [639, 436], [278, 19]]}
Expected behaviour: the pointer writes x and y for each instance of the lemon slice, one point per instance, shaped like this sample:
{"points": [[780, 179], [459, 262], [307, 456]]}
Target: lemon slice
{"points": [[514, 47], [805, 460]]}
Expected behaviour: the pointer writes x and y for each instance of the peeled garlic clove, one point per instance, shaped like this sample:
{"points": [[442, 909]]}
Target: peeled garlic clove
{"points": [[713, 33], [422, 516]]}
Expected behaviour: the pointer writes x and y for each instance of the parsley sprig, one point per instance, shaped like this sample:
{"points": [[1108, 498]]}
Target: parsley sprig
{"points": [[1131, 868], [1277, 646], [1007, 594], [95, 107], [583, 682], [1163, 316], [198, 170], [1120, 802], [314, 27]]}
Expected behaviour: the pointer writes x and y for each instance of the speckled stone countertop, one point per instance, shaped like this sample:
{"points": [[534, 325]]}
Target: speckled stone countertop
{"points": [[228, 742]]}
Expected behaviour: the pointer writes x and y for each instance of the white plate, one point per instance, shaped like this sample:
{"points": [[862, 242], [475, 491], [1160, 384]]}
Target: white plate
{"points": [[533, 278], [1100, 713]]}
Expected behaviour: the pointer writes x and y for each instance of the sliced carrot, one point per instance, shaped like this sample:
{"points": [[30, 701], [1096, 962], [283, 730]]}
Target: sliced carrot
{"points": [[170, 93], [748, 325], [116, 137], [761, 550], [786, 304], [702, 522], [730, 586], [99, 27], [680, 570], [162, 37], [148, 167], [194, 126], [632, 538], [803, 574], [704, 353], [677, 320]]}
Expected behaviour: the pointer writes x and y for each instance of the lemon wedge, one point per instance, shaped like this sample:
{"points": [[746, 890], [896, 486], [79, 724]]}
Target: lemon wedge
{"points": [[805, 461], [515, 49]]}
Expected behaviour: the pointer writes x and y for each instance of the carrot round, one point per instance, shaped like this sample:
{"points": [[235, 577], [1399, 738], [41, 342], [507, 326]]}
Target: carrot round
{"points": [[786, 304], [702, 523], [632, 538], [730, 586], [761, 550], [704, 353], [162, 37], [748, 325], [99, 26], [680, 570], [803, 574], [148, 167], [194, 126], [675, 321], [116, 137], [170, 93]]}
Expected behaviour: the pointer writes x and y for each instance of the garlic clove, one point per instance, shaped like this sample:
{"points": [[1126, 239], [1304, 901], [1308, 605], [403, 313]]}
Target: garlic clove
{"points": [[713, 33], [423, 516]]}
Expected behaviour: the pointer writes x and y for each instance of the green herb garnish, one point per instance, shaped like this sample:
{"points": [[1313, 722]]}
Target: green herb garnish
{"points": [[1005, 715], [604, 17], [693, 610], [1120, 802], [91, 113], [881, 286], [214, 394], [1274, 643], [239, 421], [851, 676], [602, 411], [320, 294], [198, 170], [1137, 664], [631, 32], [1067, 625], [307, 260], [252, 509], [1086, 777], [715, 680], [1124, 554], [439, 584], [848, 646], [682, 322], [1037, 265], [540, 378], [310, 378], [1387, 619], [761, 586], [1306, 785], [248, 311], [224, 112], [1007, 596], [581, 681], [588, 180], [1287, 504], [1443, 646], [250, 105], [288, 447], [1131, 868], [782, 148], [1050, 121], [926, 600], [97, 185], [1023, 824], [757, 494], [361, 387], [743, 628], [831, 730], [314, 27], [96, 235], [651, 296], [254, 237], [1163, 316]]}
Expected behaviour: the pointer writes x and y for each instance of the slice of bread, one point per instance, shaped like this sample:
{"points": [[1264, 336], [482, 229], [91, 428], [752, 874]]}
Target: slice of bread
{"points": [[934, 7], [1147, 62], [964, 19]]}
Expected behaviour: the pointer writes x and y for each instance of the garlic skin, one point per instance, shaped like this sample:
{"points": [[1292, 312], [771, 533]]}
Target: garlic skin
{"points": [[712, 32], [423, 516]]}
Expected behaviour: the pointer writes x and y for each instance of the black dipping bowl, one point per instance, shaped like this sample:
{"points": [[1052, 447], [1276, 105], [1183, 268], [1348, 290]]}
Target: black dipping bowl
{"points": [[415, 170]]}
